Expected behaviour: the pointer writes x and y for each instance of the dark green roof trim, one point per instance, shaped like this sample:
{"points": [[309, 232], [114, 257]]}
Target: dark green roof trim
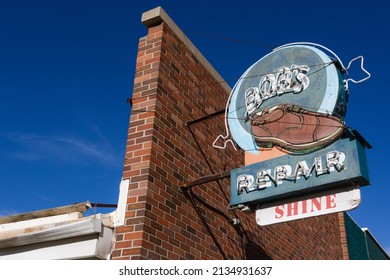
{"points": [[361, 243]]}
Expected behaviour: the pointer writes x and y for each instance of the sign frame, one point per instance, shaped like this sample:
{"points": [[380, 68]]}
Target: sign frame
{"points": [[265, 183], [318, 204]]}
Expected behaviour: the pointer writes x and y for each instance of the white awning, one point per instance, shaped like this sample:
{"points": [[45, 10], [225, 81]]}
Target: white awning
{"points": [[83, 238]]}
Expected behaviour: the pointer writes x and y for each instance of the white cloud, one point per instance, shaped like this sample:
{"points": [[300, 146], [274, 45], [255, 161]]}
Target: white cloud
{"points": [[62, 148], [42, 197]]}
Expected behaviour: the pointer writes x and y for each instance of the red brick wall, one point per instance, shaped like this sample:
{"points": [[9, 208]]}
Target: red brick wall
{"points": [[343, 236], [172, 87]]}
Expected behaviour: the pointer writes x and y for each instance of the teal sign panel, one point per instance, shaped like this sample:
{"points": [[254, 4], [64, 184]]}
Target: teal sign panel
{"points": [[339, 164]]}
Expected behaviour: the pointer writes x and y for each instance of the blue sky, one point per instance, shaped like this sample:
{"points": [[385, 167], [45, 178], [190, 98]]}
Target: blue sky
{"points": [[67, 67]]}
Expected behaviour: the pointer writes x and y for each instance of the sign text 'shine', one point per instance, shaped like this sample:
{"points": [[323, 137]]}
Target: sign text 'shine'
{"points": [[305, 206]]}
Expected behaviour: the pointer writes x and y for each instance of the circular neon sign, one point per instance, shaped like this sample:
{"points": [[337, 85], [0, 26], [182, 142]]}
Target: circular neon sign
{"points": [[294, 98]]}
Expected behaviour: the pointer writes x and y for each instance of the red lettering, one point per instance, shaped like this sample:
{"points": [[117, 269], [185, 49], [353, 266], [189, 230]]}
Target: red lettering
{"points": [[330, 201], [304, 207], [279, 211], [316, 202], [292, 209]]}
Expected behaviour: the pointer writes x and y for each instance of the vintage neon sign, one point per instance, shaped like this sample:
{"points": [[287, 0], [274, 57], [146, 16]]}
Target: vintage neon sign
{"points": [[266, 178], [286, 80], [337, 165], [294, 98]]}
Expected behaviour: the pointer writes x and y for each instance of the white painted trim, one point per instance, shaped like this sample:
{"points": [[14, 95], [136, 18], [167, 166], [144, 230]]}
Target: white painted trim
{"points": [[53, 232], [119, 214], [75, 248], [39, 222], [85, 238]]}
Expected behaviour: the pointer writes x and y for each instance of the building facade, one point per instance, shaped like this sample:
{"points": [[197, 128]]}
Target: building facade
{"points": [[175, 190], [178, 194]]}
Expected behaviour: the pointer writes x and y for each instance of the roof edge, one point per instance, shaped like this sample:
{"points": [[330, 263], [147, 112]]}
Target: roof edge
{"points": [[368, 232], [77, 207], [157, 15]]}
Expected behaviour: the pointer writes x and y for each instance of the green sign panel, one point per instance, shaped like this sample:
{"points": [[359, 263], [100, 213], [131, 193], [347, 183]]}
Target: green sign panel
{"points": [[338, 165]]}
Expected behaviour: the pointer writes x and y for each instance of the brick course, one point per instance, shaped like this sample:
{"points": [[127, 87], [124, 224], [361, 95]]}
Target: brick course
{"points": [[171, 88]]}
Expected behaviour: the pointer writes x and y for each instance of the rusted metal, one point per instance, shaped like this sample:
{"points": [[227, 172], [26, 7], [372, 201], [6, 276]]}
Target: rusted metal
{"points": [[205, 179], [78, 207], [103, 205], [189, 123], [190, 196]]}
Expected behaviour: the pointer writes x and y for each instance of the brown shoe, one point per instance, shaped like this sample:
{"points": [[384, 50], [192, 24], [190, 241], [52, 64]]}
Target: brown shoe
{"points": [[295, 129]]}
